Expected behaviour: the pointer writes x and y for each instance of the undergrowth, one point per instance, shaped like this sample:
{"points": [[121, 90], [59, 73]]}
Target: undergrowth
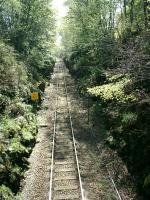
{"points": [[18, 137]]}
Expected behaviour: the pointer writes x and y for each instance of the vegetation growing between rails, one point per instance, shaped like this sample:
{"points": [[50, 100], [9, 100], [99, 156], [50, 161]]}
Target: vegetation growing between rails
{"points": [[107, 51], [26, 41]]}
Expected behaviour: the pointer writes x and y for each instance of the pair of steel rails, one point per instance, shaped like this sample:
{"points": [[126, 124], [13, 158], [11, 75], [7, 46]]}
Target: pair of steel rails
{"points": [[72, 133], [73, 140]]}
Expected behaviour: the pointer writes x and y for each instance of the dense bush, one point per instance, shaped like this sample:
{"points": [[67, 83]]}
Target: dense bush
{"points": [[126, 116], [4, 102], [113, 92], [18, 136], [6, 193], [40, 64], [13, 73]]}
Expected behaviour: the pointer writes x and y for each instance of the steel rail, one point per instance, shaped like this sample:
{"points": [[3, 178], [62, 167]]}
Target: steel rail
{"points": [[115, 187], [53, 147], [74, 143], [109, 174]]}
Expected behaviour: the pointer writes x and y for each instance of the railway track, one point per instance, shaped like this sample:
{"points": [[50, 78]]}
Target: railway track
{"points": [[65, 179]]}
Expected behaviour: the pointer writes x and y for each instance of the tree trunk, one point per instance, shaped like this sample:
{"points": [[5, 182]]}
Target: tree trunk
{"points": [[125, 10], [145, 5]]}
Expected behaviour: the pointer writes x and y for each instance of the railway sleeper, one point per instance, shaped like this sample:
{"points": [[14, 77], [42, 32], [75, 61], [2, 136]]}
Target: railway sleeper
{"points": [[67, 194], [65, 169], [68, 187]]}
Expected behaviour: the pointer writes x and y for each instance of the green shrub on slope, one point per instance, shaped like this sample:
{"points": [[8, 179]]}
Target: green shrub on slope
{"points": [[113, 92], [18, 136], [6, 193], [13, 74]]}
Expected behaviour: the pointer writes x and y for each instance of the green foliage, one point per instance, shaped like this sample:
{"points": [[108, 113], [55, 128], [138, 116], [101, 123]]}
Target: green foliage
{"points": [[41, 64], [18, 136], [10, 128], [113, 92], [13, 74], [129, 118], [29, 26], [96, 110], [17, 109], [27, 136], [6, 193], [4, 102], [88, 30], [96, 77], [146, 184], [115, 78], [16, 147], [134, 19]]}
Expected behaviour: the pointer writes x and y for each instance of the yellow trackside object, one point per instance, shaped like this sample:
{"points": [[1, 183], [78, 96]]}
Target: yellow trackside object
{"points": [[34, 96]]}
